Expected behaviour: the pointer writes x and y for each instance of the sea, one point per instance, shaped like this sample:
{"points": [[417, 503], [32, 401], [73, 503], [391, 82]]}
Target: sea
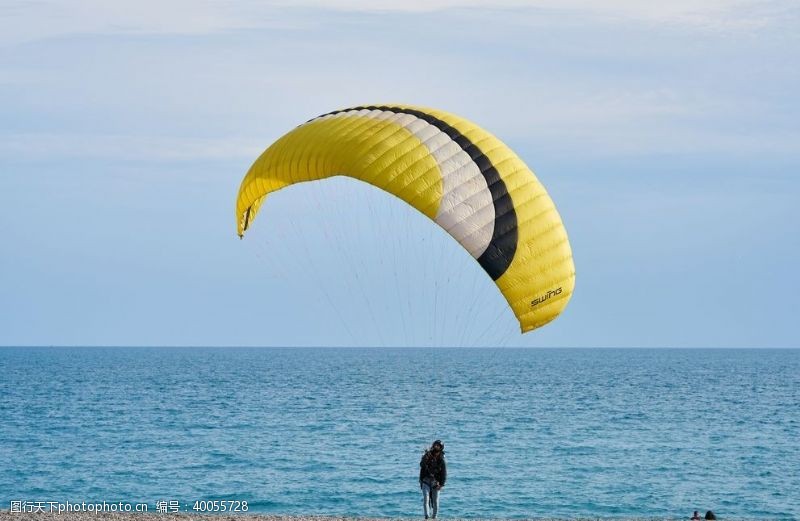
{"points": [[528, 433]]}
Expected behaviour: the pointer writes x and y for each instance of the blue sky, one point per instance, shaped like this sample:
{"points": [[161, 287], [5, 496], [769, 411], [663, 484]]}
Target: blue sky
{"points": [[669, 138]]}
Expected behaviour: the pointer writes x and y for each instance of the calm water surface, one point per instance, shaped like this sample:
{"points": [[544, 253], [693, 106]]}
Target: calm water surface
{"points": [[528, 433]]}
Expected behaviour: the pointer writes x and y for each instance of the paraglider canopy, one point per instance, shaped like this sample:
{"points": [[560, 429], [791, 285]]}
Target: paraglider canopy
{"points": [[454, 172]]}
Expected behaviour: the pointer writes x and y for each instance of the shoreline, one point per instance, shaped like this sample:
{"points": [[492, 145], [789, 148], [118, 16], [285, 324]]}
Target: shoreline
{"points": [[7, 515]]}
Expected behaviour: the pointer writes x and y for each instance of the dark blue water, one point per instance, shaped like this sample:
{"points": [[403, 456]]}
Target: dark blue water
{"points": [[528, 433]]}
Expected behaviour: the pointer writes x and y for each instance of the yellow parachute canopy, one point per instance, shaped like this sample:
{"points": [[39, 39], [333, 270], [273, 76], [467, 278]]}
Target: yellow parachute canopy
{"points": [[451, 170]]}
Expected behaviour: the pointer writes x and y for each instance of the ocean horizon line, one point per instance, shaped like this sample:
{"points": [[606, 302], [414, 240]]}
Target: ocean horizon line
{"points": [[541, 348]]}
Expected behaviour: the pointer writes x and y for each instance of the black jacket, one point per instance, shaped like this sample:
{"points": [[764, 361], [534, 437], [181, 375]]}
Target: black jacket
{"points": [[433, 468]]}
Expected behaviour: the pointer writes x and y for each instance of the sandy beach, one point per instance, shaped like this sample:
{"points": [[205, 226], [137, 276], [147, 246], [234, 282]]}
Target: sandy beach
{"points": [[6, 515]]}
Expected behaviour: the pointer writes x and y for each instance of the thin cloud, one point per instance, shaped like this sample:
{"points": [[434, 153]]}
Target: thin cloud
{"points": [[126, 148], [31, 21]]}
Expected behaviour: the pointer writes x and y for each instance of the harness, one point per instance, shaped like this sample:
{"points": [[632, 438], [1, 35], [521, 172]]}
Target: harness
{"points": [[431, 466]]}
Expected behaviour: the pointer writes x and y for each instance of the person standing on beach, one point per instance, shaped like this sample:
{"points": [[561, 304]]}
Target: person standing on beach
{"points": [[432, 475]]}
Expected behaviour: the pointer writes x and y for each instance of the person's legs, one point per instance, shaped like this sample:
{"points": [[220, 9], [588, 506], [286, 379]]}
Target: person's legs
{"points": [[426, 494], [434, 502]]}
